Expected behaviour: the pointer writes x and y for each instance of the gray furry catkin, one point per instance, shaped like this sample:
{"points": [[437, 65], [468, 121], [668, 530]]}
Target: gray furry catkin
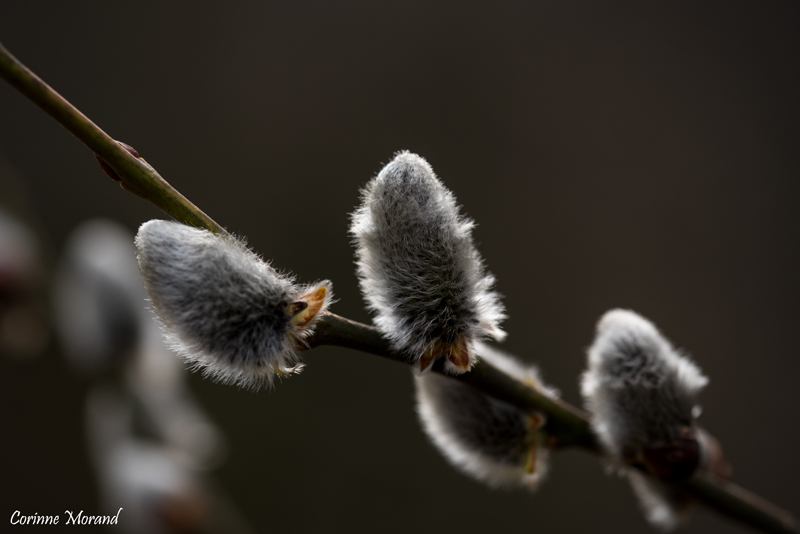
{"points": [[225, 310], [642, 395], [98, 299], [419, 270], [486, 438]]}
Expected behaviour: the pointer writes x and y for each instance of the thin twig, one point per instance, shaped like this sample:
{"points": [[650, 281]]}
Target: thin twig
{"points": [[137, 176], [567, 425]]}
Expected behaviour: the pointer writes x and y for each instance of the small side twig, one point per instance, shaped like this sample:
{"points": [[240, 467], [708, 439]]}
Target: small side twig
{"points": [[568, 426]]}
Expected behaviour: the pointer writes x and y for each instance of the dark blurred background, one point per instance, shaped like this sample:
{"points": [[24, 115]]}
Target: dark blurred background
{"points": [[614, 154]]}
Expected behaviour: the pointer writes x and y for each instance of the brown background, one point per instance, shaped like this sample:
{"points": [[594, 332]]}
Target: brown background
{"points": [[613, 154]]}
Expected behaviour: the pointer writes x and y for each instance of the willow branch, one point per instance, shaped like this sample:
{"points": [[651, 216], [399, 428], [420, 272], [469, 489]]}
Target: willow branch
{"points": [[566, 425], [136, 175]]}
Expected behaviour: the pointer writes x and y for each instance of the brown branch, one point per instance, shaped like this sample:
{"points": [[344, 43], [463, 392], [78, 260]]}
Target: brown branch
{"points": [[567, 425]]}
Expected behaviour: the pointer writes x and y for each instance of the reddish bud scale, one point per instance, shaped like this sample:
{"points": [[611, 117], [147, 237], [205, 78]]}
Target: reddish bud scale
{"points": [[107, 168]]}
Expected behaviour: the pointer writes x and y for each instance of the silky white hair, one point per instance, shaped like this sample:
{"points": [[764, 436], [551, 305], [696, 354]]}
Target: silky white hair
{"points": [[638, 388], [484, 437], [641, 392], [224, 310], [419, 270]]}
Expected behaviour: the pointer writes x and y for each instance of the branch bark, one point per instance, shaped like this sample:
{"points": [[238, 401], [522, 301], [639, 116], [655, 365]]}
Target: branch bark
{"points": [[137, 176], [567, 425]]}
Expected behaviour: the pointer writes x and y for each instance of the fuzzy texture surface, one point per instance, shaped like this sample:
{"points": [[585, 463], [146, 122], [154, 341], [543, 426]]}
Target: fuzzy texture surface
{"points": [[225, 310], [642, 394], [419, 270], [638, 388], [485, 438]]}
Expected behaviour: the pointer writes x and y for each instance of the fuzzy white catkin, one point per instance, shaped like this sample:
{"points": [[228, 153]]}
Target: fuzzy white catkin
{"points": [[98, 299], [641, 392], [159, 489], [225, 310], [419, 270], [485, 438], [638, 388], [142, 476]]}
